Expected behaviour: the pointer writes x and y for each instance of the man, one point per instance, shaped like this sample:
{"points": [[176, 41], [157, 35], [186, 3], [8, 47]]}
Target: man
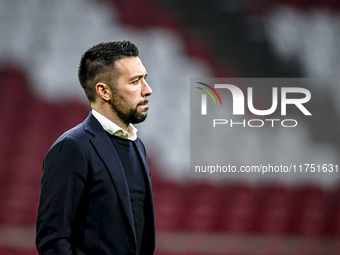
{"points": [[95, 195]]}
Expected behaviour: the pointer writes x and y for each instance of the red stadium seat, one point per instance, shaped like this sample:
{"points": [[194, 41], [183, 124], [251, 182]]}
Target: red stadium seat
{"points": [[273, 209], [6, 250], [239, 212]]}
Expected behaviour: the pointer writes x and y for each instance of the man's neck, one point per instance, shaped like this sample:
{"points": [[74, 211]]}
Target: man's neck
{"points": [[112, 116]]}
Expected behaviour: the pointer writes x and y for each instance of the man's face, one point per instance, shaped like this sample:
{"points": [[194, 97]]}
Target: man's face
{"points": [[129, 99]]}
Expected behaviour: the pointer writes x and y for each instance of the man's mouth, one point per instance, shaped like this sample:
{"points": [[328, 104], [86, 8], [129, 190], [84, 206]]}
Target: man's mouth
{"points": [[144, 103]]}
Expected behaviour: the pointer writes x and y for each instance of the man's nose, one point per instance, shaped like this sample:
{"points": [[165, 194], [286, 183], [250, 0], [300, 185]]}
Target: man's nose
{"points": [[147, 91]]}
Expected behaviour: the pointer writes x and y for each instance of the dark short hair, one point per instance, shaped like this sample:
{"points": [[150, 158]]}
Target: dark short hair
{"points": [[97, 61]]}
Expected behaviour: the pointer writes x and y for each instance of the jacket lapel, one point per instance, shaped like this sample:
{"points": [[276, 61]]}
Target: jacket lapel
{"points": [[109, 156]]}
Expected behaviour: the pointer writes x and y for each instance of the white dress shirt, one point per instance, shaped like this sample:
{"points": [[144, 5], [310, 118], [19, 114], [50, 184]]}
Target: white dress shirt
{"points": [[114, 129]]}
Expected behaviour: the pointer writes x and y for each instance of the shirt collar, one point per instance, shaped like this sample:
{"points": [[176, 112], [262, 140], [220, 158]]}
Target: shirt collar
{"points": [[114, 129]]}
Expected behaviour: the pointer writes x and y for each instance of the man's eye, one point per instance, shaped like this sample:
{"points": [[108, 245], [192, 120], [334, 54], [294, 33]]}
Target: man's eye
{"points": [[135, 82]]}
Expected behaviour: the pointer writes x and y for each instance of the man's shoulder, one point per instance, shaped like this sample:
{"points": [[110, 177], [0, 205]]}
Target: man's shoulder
{"points": [[68, 142], [78, 130], [83, 131], [77, 134]]}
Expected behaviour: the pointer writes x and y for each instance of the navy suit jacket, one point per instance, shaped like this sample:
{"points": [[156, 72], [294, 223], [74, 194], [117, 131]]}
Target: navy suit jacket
{"points": [[84, 205]]}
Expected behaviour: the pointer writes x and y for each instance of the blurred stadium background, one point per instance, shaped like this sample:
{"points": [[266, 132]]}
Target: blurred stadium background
{"points": [[41, 43]]}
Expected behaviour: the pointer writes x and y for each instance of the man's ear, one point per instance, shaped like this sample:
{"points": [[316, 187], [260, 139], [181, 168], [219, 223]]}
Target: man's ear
{"points": [[104, 91]]}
